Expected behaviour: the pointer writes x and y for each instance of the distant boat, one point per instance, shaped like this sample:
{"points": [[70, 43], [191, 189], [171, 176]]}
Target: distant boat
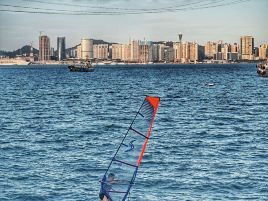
{"points": [[87, 67], [210, 84], [262, 69]]}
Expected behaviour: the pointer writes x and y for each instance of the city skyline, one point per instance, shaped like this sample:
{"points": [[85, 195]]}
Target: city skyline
{"points": [[225, 23], [137, 51]]}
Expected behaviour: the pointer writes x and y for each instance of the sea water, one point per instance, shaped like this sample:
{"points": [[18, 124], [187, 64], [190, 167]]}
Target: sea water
{"points": [[59, 130]]}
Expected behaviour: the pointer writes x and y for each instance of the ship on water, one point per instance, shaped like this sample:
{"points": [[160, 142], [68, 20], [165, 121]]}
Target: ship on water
{"points": [[262, 69], [86, 67]]}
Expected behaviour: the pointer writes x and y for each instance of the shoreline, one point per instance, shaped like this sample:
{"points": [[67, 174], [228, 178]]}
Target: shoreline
{"points": [[124, 64]]}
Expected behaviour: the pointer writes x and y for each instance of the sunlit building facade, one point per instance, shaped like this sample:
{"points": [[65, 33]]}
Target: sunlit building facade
{"points": [[263, 51], [210, 49], [116, 52], [135, 51], [86, 48], [126, 52], [44, 48], [247, 47], [100, 51]]}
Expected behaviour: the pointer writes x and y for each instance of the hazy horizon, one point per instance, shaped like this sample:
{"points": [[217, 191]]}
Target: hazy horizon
{"points": [[226, 23]]}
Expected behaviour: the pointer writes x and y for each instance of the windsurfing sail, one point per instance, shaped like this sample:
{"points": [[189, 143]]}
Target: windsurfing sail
{"points": [[122, 170]]}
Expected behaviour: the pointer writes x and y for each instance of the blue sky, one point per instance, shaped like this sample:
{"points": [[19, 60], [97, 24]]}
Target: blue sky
{"points": [[225, 23]]}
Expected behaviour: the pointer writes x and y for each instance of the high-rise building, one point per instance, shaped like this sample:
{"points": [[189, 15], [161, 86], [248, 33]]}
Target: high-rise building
{"points": [[263, 51], [135, 51], [61, 46], [100, 51], [193, 52], [185, 52], [116, 52], [44, 48], [161, 51], [145, 51], [78, 52], [126, 52], [166, 53], [155, 52], [52, 52], [256, 52], [86, 48], [234, 48], [177, 52], [201, 52], [210, 49], [247, 47]]}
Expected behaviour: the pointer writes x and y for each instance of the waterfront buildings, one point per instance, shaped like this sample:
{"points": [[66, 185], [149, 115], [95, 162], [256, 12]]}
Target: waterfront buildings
{"points": [[145, 51], [142, 51], [135, 51], [155, 52], [247, 47], [126, 55], [193, 57], [234, 48], [210, 49], [177, 52], [78, 52], [100, 51], [44, 48], [116, 52], [185, 52], [61, 46], [263, 51], [86, 48], [166, 53]]}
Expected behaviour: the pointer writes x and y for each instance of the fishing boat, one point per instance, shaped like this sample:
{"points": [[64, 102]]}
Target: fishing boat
{"points": [[120, 175], [262, 69], [87, 67]]}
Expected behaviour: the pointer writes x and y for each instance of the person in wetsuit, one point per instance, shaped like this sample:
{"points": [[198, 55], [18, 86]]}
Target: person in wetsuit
{"points": [[106, 187]]}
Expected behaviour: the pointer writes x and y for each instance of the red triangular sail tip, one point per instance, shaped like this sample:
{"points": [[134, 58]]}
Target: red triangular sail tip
{"points": [[153, 100]]}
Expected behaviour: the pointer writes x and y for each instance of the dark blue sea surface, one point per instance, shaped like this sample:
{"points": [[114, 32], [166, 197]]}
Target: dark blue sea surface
{"points": [[59, 130]]}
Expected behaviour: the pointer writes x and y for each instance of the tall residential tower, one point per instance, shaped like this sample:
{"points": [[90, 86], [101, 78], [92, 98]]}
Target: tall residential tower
{"points": [[247, 47], [44, 48], [61, 48], [86, 48]]}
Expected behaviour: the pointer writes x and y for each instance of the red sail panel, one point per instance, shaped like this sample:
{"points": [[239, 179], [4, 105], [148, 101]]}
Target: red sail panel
{"points": [[154, 101]]}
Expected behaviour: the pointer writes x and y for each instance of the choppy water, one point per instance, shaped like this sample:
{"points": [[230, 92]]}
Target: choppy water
{"points": [[59, 129]]}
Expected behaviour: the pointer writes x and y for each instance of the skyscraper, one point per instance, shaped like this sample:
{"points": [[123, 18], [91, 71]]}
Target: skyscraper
{"points": [[145, 51], [193, 52], [100, 51], [86, 48], [61, 48], [78, 52], [44, 48], [126, 52], [116, 51], [135, 51], [210, 49], [247, 47], [263, 51]]}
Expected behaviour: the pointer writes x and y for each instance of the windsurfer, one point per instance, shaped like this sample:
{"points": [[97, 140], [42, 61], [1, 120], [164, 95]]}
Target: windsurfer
{"points": [[106, 187]]}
